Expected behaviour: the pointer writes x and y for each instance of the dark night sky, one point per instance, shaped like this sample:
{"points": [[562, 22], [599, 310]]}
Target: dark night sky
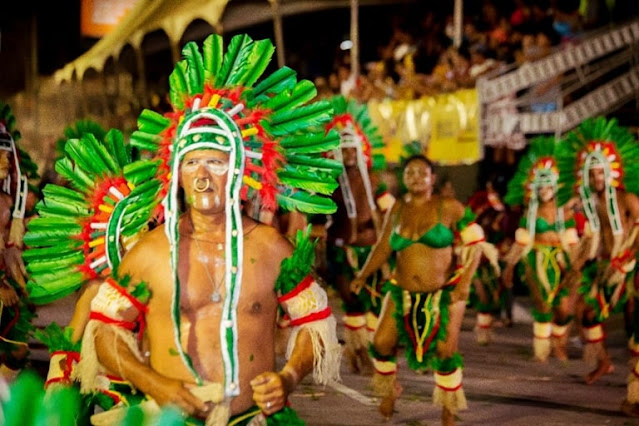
{"points": [[59, 39], [311, 38]]}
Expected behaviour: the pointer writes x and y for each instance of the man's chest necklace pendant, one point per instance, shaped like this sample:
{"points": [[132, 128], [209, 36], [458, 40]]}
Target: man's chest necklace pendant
{"points": [[216, 297]]}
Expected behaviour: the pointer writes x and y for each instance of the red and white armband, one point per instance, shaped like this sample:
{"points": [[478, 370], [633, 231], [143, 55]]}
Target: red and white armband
{"points": [[307, 307], [385, 201], [113, 307], [113, 304], [61, 367], [472, 234]]}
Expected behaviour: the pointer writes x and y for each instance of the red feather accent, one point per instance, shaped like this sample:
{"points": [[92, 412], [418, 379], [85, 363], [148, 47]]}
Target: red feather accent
{"points": [[244, 192], [253, 168]]}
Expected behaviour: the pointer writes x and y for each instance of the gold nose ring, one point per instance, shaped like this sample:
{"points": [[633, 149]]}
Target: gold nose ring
{"points": [[201, 185]]}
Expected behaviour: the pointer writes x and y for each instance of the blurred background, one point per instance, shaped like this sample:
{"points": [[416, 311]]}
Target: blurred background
{"points": [[467, 82]]}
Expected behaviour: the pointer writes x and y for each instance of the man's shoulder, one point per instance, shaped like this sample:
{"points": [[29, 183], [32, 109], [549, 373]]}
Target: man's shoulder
{"points": [[150, 241], [270, 240]]}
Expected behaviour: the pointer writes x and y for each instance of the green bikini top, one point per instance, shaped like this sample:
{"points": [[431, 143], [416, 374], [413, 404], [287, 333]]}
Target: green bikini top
{"points": [[439, 236], [542, 225]]}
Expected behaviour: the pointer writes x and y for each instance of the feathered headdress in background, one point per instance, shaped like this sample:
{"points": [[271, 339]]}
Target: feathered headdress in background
{"points": [[22, 169], [82, 232], [599, 143], [356, 130], [537, 168]]}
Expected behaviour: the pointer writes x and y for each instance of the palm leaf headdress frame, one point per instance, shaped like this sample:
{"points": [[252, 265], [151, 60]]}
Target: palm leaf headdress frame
{"points": [[356, 130], [602, 143], [536, 169], [82, 231], [275, 140]]}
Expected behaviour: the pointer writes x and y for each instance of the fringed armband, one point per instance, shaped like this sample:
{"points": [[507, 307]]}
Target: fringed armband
{"points": [[112, 307], [472, 234], [570, 237], [307, 307], [385, 201], [306, 304], [61, 367], [65, 354]]}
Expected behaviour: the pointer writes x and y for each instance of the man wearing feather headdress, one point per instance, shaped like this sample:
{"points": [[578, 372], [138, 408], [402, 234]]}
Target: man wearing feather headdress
{"points": [[15, 313], [189, 320], [598, 161], [354, 228]]}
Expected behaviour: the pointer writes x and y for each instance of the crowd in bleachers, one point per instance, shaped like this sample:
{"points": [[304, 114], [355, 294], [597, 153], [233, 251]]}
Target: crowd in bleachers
{"points": [[422, 58]]}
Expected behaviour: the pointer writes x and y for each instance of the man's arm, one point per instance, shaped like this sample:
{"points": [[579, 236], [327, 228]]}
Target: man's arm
{"points": [[110, 341], [271, 389], [116, 356], [313, 344]]}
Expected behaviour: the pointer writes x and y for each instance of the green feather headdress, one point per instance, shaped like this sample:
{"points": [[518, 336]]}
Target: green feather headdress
{"points": [[82, 232], [76, 130], [537, 168], [356, 130], [601, 143], [275, 141]]}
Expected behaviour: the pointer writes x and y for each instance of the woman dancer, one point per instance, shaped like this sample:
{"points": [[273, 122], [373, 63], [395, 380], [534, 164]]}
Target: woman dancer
{"points": [[546, 243], [425, 303]]}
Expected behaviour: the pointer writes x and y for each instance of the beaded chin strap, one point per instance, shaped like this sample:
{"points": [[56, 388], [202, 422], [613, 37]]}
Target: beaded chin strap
{"points": [[275, 140], [596, 159], [222, 135], [7, 144], [350, 139]]}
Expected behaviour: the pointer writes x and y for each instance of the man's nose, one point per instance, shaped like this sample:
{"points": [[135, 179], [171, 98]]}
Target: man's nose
{"points": [[201, 170]]}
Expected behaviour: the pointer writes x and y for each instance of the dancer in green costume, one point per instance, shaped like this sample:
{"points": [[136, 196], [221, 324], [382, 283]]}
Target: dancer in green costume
{"points": [[427, 298], [599, 163], [546, 243]]}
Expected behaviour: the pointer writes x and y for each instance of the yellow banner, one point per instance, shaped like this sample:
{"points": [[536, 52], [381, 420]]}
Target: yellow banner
{"points": [[445, 125]]}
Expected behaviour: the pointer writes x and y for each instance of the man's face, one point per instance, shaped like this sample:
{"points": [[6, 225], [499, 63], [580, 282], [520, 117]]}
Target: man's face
{"points": [[349, 157], [597, 179], [203, 175], [4, 164], [418, 177]]}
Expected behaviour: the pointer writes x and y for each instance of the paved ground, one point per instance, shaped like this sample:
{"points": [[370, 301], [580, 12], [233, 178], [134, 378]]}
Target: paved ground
{"points": [[503, 386]]}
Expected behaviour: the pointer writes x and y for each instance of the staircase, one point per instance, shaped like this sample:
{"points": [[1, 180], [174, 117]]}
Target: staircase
{"points": [[599, 74]]}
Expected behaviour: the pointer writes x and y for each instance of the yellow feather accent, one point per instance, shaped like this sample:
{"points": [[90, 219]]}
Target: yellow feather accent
{"points": [[96, 242], [105, 208], [214, 100], [249, 132], [130, 185], [252, 182]]}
